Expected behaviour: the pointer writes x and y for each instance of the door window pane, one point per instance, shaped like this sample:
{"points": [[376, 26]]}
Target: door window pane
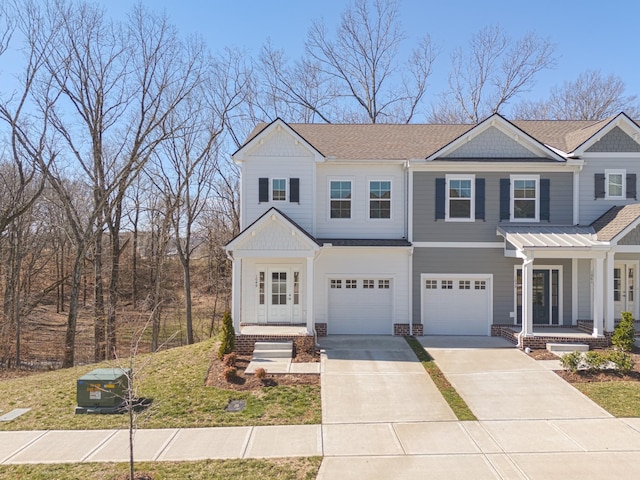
{"points": [[279, 288]]}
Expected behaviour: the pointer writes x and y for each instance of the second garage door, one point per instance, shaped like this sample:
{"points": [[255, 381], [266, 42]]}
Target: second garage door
{"points": [[456, 305], [360, 306]]}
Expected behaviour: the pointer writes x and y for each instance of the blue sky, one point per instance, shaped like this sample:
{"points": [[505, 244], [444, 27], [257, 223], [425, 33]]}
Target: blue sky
{"points": [[588, 34]]}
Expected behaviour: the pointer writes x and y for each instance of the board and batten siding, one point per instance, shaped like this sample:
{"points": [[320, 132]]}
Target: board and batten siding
{"points": [[427, 229], [363, 263], [360, 225], [484, 261], [279, 157]]}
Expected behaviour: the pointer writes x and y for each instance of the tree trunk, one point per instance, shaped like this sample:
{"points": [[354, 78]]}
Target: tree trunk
{"points": [[72, 318], [187, 300], [98, 309]]}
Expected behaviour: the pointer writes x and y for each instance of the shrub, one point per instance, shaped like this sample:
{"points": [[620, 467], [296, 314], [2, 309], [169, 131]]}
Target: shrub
{"points": [[623, 361], [229, 360], [230, 374], [260, 373], [228, 341], [624, 335], [571, 361], [595, 360]]}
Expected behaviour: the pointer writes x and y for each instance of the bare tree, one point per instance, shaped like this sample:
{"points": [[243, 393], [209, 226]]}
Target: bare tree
{"points": [[352, 76], [491, 73], [591, 96]]}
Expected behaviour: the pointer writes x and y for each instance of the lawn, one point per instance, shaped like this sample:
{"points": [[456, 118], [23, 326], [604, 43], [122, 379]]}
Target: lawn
{"points": [[621, 399], [455, 401], [175, 380], [277, 469]]}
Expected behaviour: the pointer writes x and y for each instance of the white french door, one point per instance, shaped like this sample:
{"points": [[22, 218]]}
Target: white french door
{"points": [[279, 299], [624, 275]]}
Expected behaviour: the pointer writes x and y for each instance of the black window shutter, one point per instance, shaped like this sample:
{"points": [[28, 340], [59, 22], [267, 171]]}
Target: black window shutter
{"points": [[480, 199], [631, 185], [294, 190], [505, 199], [545, 199], [599, 179], [440, 198], [263, 190]]}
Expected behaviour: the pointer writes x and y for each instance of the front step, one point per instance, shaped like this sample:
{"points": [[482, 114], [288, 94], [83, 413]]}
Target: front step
{"points": [[264, 350], [567, 347]]}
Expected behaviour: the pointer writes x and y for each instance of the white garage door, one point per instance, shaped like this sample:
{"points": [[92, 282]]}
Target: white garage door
{"points": [[360, 306], [456, 305]]}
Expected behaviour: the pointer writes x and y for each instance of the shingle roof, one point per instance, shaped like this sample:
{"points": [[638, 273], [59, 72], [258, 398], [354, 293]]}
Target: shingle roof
{"points": [[615, 220]]}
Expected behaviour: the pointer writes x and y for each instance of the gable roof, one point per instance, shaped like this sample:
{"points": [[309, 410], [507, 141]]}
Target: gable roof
{"points": [[616, 221], [419, 141]]}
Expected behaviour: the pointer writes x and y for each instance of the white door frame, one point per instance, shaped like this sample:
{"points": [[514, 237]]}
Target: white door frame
{"points": [[289, 312], [625, 265], [550, 286]]}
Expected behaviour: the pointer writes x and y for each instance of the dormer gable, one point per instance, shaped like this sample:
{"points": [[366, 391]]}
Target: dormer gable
{"points": [[277, 139], [274, 232], [619, 135], [496, 138]]}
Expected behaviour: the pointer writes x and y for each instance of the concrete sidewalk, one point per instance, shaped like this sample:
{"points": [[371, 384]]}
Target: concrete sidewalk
{"points": [[499, 382]]}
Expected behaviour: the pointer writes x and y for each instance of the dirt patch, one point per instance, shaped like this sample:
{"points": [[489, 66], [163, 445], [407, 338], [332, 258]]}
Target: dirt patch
{"points": [[244, 382], [542, 355]]}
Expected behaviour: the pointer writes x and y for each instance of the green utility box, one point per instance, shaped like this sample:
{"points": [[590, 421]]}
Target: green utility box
{"points": [[103, 388]]}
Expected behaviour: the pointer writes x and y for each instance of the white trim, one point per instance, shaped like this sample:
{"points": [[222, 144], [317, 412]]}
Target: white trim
{"points": [[369, 199], [479, 166], [512, 180], [458, 276], [472, 197], [549, 268], [409, 207], [574, 291], [623, 189], [627, 249], [588, 155], [458, 244], [576, 198]]}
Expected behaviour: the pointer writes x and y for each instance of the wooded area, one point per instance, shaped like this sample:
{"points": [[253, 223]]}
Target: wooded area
{"points": [[117, 193]]}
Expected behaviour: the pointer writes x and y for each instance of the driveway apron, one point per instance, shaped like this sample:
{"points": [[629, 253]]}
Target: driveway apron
{"points": [[499, 382], [376, 379]]}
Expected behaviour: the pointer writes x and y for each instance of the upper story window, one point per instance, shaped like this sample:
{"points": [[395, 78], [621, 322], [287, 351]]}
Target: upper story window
{"points": [[279, 189], [340, 194], [525, 198], [615, 184], [379, 199], [460, 204]]}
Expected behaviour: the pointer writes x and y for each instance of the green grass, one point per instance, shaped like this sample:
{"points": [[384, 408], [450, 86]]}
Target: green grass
{"points": [[175, 380], [455, 401], [620, 399], [280, 469]]}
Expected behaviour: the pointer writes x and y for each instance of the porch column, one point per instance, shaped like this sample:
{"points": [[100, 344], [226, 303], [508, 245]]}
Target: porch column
{"points": [[309, 295], [598, 296], [527, 295], [608, 293], [236, 282]]}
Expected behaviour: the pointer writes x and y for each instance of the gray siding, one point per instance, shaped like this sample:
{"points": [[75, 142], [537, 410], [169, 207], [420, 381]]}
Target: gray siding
{"points": [[585, 310], [615, 141], [427, 229], [632, 238], [484, 261], [492, 143]]}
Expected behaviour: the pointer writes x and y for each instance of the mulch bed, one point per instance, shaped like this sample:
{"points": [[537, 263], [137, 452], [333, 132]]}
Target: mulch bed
{"points": [[249, 382], [582, 376]]}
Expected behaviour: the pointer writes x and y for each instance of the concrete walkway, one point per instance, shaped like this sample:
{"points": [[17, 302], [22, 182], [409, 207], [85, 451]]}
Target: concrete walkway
{"points": [[499, 382]]}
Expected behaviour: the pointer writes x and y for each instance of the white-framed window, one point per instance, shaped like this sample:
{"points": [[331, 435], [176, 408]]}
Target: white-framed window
{"points": [[431, 284], [383, 284], [480, 285], [340, 198], [525, 198], [278, 189], [368, 284], [261, 285], [379, 199], [615, 184], [460, 198], [296, 288], [336, 283], [351, 284], [464, 284]]}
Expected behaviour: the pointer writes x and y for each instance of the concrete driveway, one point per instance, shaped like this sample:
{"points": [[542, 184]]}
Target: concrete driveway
{"points": [[499, 382], [376, 379]]}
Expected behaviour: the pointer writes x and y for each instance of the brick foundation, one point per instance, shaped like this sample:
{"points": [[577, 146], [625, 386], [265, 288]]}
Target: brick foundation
{"points": [[402, 329], [540, 342], [321, 329], [301, 343]]}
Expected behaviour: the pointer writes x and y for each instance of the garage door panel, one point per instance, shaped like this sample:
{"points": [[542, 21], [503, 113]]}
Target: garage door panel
{"points": [[360, 310], [458, 306]]}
